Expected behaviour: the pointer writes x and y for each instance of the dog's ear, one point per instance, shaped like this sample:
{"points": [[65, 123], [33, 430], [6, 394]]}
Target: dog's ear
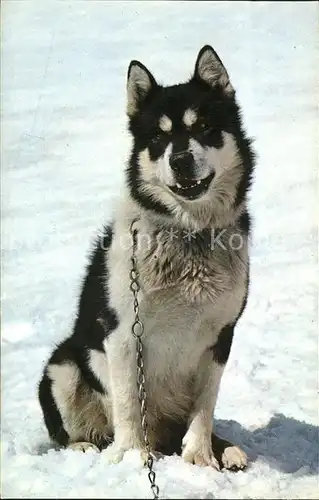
{"points": [[210, 69], [140, 82]]}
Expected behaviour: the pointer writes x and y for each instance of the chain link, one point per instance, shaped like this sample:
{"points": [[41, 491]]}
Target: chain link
{"points": [[137, 331]]}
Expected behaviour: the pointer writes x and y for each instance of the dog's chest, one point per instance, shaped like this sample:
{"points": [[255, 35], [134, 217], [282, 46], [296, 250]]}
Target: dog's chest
{"points": [[190, 266]]}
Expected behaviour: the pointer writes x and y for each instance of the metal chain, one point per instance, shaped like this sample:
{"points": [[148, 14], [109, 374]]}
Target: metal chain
{"points": [[137, 331]]}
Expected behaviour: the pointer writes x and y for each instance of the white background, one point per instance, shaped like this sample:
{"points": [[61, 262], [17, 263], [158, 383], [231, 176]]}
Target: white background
{"points": [[63, 148]]}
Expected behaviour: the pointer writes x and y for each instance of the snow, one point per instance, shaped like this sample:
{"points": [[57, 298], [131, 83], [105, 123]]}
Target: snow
{"points": [[63, 148]]}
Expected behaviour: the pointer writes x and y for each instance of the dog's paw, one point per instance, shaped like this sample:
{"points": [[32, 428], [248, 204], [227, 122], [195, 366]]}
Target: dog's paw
{"points": [[83, 446], [234, 458], [203, 458], [114, 453], [198, 452]]}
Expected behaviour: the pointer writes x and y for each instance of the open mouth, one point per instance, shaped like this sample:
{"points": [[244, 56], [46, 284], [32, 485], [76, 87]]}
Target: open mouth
{"points": [[192, 189]]}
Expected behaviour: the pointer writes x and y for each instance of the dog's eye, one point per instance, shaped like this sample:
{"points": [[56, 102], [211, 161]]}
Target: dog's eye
{"points": [[206, 128], [157, 137]]}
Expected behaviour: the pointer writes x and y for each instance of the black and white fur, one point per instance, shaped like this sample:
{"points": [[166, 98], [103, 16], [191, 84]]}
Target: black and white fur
{"points": [[186, 181]]}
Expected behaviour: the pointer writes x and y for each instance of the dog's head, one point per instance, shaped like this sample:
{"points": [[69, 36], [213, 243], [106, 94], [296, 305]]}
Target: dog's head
{"points": [[189, 149]]}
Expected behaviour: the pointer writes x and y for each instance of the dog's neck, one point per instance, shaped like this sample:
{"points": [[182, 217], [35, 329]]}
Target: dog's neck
{"points": [[185, 223], [188, 241], [182, 226]]}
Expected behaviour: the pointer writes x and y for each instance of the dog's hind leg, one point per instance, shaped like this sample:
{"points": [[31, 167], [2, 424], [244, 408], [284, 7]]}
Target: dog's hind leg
{"points": [[51, 413], [74, 411]]}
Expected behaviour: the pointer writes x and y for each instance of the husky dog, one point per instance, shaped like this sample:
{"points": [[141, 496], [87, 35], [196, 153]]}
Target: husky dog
{"points": [[187, 180]]}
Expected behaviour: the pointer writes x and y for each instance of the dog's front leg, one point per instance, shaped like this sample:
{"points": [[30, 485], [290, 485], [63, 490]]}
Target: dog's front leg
{"points": [[123, 390], [200, 445], [197, 442]]}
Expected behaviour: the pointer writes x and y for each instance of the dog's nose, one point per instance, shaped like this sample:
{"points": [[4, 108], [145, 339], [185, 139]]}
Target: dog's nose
{"points": [[181, 162]]}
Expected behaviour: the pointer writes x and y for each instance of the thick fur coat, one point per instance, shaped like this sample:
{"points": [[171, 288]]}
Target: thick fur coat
{"points": [[186, 188]]}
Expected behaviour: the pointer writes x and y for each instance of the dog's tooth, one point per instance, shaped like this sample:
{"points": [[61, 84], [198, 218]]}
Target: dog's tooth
{"points": [[178, 185], [198, 182]]}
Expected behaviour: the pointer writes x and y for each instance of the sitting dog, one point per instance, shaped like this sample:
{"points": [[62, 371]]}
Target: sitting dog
{"points": [[186, 186]]}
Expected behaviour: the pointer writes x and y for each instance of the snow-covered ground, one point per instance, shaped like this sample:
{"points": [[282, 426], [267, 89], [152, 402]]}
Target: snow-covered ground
{"points": [[63, 147]]}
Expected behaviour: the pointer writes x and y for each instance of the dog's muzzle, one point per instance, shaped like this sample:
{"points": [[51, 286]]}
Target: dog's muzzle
{"points": [[187, 186]]}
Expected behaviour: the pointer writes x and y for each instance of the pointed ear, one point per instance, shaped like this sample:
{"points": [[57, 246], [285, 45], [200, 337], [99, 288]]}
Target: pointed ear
{"points": [[140, 82], [210, 69]]}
